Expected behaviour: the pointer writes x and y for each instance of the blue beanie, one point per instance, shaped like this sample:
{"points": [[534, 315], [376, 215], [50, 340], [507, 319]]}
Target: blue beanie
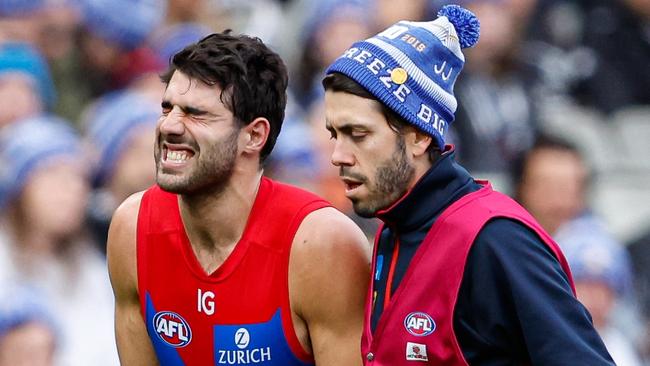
{"points": [[126, 23], [28, 144], [23, 305], [594, 255], [110, 126], [411, 67], [25, 59]]}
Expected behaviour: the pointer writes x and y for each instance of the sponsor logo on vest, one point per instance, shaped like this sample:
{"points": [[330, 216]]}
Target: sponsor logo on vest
{"points": [[419, 324], [416, 352], [243, 356], [172, 329]]}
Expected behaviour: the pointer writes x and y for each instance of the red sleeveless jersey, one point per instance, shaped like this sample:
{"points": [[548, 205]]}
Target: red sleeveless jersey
{"points": [[239, 314], [417, 325]]}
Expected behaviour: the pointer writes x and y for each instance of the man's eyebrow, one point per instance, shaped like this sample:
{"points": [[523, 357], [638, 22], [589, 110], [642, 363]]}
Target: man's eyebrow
{"points": [[187, 109], [349, 127], [193, 111]]}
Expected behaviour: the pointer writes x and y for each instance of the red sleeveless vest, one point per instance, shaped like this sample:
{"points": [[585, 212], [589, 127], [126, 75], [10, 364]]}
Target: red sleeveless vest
{"points": [[239, 314], [418, 323]]}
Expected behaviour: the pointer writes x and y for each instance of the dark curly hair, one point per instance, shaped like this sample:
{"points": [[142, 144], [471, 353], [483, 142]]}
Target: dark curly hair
{"points": [[253, 79]]}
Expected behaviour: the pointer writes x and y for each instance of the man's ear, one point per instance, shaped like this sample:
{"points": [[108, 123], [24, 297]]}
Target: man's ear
{"points": [[255, 135], [417, 141]]}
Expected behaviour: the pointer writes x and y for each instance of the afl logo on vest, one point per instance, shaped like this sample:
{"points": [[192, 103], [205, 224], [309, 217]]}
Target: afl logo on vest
{"points": [[172, 329], [419, 324]]}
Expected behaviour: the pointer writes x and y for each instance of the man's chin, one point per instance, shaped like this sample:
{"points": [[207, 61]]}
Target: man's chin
{"points": [[363, 210], [170, 185], [172, 188]]}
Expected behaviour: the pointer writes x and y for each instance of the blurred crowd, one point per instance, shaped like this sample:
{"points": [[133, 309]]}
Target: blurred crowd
{"points": [[554, 108]]}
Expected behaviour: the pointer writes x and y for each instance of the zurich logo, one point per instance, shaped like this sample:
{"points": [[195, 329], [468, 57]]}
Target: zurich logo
{"points": [[419, 324], [172, 329], [242, 338]]}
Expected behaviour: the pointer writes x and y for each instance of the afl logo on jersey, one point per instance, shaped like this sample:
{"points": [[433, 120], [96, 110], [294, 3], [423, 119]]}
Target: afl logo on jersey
{"points": [[172, 329], [419, 324]]}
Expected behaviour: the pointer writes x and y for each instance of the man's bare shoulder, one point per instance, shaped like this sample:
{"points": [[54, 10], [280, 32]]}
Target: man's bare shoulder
{"points": [[125, 218], [329, 273], [330, 250], [131, 333], [130, 205], [121, 244], [328, 230]]}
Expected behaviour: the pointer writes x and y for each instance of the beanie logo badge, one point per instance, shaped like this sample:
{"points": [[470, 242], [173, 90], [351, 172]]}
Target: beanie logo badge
{"points": [[440, 71], [398, 76]]}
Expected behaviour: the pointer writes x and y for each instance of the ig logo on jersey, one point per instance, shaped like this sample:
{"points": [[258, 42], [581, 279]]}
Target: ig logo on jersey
{"points": [[172, 329], [419, 324]]}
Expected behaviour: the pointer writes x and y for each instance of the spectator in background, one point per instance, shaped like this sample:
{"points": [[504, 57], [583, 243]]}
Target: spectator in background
{"points": [[618, 34], [601, 271], [43, 195], [172, 38], [639, 251], [26, 88], [112, 45], [552, 181], [294, 158], [59, 21], [497, 108], [51, 27], [121, 130], [330, 27], [389, 12], [19, 20], [184, 11], [27, 328]]}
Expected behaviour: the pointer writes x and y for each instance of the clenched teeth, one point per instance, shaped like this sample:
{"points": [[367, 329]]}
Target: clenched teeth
{"points": [[176, 156]]}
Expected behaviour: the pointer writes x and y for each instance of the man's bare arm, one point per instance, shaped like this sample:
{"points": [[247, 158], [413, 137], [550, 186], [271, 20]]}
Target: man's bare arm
{"points": [[328, 283], [133, 344]]}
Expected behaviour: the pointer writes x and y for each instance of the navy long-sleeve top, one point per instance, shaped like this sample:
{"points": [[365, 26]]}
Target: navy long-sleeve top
{"points": [[515, 305]]}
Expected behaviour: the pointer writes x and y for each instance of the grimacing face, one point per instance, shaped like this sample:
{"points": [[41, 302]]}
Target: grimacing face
{"points": [[196, 138], [371, 156]]}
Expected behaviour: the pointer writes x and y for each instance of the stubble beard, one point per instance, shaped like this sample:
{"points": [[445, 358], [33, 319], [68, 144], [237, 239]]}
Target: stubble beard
{"points": [[211, 173], [391, 182]]}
